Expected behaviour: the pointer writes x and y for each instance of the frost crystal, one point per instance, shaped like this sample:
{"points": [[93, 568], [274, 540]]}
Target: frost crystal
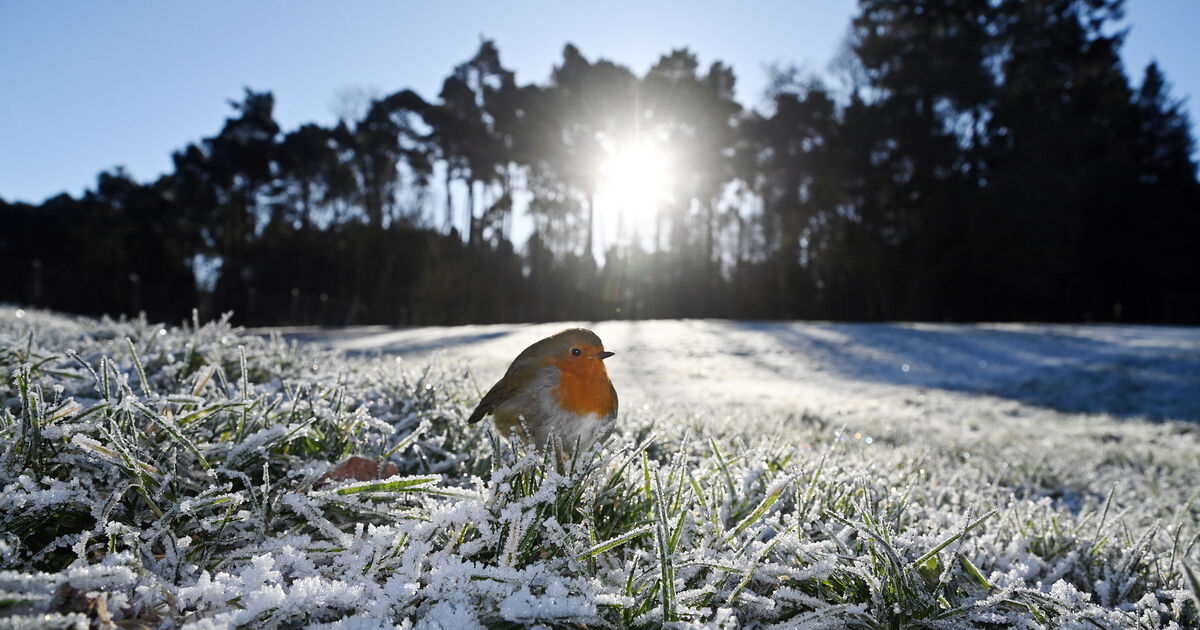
{"points": [[818, 487]]}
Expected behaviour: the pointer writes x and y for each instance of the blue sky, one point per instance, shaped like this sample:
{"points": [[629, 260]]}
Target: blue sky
{"points": [[87, 86]]}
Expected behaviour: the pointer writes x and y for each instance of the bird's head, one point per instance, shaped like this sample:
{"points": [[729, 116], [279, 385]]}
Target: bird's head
{"points": [[574, 347]]}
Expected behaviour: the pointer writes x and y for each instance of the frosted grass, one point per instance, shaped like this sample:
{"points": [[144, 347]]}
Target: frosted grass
{"points": [[170, 477]]}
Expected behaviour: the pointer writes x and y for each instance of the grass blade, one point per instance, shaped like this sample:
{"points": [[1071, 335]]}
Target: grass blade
{"points": [[613, 543], [945, 543], [405, 484]]}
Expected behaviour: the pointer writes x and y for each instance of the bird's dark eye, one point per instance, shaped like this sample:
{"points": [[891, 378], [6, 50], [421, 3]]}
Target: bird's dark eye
{"points": [[576, 352]]}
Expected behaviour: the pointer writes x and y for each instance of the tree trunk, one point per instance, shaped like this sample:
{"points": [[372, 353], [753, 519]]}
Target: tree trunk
{"points": [[472, 224], [591, 220], [449, 205], [709, 217]]}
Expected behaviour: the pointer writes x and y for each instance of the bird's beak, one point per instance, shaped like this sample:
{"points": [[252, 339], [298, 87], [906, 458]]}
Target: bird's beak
{"points": [[604, 355]]}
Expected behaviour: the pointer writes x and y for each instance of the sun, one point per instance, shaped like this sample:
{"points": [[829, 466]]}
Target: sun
{"points": [[635, 177]]}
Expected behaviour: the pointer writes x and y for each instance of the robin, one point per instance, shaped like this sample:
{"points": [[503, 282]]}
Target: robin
{"points": [[557, 386]]}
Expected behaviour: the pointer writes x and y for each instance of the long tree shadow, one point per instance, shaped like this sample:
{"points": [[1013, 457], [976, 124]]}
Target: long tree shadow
{"points": [[1126, 371]]}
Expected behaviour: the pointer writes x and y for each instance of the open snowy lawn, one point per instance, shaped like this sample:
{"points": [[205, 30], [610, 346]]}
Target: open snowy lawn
{"points": [[762, 474], [912, 381]]}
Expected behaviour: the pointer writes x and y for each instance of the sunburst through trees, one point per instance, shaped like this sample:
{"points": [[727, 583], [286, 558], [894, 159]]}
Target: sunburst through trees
{"points": [[985, 160]]}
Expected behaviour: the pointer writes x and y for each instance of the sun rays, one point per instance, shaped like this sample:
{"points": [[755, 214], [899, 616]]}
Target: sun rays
{"points": [[633, 179]]}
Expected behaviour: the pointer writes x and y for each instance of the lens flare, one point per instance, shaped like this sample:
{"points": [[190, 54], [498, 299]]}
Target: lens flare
{"points": [[635, 177]]}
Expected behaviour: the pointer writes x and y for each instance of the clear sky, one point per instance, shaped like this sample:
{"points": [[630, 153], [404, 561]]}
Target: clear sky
{"points": [[87, 86]]}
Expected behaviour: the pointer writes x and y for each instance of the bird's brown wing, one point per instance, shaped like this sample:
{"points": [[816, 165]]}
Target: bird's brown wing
{"points": [[499, 392], [519, 372]]}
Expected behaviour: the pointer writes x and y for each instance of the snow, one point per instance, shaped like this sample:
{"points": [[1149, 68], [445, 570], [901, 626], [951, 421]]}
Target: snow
{"points": [[1125, 371], [761, 473]]}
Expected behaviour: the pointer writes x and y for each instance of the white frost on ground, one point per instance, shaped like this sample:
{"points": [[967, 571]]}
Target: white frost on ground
{"points": [[850, 370], [986, 476]]}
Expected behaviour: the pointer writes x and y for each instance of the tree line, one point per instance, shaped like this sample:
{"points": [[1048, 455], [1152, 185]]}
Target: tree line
{"points": [[980, 160]]}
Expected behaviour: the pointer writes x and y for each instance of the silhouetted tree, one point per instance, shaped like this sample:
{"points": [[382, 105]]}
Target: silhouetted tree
{"points": [[988, 159]]}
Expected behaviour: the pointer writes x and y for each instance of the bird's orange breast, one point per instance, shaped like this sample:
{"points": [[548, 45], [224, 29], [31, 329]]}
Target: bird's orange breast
{"points": [[584, 388]]}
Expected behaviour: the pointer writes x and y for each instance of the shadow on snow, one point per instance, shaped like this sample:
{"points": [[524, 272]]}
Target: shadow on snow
{"points": [[1125, 371]]}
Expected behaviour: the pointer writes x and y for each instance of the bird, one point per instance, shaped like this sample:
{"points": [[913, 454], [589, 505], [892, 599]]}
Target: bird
{"points": [[557, 386]]}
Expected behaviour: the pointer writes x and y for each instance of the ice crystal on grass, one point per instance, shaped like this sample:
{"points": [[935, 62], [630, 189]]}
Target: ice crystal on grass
{"points": [[175, 477]]}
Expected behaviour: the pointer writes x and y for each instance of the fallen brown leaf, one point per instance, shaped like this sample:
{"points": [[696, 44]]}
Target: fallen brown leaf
{"points": [[359, 469]]}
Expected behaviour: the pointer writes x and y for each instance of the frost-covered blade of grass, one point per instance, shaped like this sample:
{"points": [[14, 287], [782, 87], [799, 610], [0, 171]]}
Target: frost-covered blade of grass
{"points": [[171, 477]]}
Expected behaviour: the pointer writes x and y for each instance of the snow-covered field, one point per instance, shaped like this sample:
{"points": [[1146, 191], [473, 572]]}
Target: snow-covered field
{"points": [[762, 474], [923, 372]]}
